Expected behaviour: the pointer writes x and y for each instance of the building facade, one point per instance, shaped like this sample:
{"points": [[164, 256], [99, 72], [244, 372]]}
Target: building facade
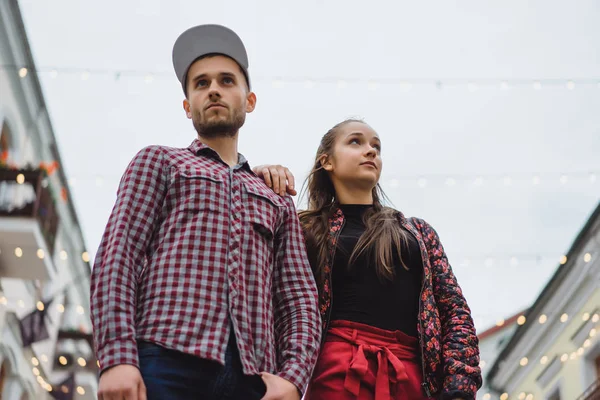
{"points": [[555, 354], [45, 345]]}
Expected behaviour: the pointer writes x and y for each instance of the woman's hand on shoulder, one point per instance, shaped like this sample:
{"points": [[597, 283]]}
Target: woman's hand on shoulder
{"points": [[277, 177]]}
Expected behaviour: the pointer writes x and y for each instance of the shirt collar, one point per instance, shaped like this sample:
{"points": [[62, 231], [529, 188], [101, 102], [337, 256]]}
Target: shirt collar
{"points": [[197, 147]]}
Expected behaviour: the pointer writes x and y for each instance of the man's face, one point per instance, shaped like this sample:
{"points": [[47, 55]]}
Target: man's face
{"points": [[217, 97]]}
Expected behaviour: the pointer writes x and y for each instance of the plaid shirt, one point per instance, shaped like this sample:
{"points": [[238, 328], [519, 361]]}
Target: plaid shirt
{"points": [[193, 249]]}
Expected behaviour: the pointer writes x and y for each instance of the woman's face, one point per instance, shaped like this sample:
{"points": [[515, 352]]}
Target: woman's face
{"points": [[356, 157]]}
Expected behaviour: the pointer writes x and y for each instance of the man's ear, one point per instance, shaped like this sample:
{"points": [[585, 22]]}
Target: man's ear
{"points": [[250, 102], [187, 109]]}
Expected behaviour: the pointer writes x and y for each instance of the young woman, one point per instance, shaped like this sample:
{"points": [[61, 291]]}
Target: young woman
{"points": [[395, 322]]}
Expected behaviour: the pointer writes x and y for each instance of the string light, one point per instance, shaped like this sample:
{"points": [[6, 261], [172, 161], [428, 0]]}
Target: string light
{"points": [[504, 396], [587, 257], [433, 179], [563, 260], [35, 371], [20, 179], [85, 256], [543, 319], [19, 252], [40, 306], [585, 317], [564, 357], [61, 308], [544, 360], [564, 179], [63, 255], [40, 254], [405, 84], [35, 361], [564, 318], [521, 320], [62, 360], [524, 361], [80, 390], [372, 85], [80, 310], [81, 361], [308, 84], [44, 358], [595, 318]]}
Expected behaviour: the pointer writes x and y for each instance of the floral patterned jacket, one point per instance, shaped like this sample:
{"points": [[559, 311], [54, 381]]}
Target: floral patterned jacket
{"points": [[449, 344]]}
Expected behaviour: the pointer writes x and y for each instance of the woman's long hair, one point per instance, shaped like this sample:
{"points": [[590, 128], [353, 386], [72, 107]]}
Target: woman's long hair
{"points": [[383, 236]]}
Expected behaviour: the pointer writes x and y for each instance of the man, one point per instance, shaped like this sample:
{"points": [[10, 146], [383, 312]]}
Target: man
{"points": [[201, 287]]}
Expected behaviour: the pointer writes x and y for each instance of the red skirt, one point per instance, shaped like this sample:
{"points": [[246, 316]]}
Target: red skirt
{"points": [[358, 361]]}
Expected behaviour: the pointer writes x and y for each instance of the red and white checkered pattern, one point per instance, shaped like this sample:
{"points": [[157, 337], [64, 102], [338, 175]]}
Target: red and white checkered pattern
{"points": [[193, 248]]}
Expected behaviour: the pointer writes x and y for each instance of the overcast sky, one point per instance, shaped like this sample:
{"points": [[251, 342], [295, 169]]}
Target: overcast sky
{"points": [[505, 91]]}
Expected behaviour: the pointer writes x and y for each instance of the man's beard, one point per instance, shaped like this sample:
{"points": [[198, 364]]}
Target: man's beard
{"points": [[220, 128]]}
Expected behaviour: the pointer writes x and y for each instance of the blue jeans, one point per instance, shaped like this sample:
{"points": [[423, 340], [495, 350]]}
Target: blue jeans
{"points": [[171, 375]]}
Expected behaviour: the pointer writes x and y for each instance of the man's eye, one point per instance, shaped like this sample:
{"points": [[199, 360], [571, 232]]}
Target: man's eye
{"points": [[228, 81], [201, 83]]}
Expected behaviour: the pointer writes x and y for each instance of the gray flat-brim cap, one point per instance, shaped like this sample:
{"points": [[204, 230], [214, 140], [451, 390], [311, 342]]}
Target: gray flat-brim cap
{"points": [[207, 39]]}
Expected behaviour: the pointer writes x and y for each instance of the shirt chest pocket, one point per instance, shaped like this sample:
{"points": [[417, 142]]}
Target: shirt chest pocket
{"points": [[200, 190], [263, 211]]}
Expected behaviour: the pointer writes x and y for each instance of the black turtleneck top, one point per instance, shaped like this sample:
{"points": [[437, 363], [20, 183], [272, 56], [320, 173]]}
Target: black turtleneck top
{"points": [[359, 295]]}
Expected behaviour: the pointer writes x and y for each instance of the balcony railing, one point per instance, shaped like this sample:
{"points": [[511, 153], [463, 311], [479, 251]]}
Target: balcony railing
{"points": [[592, 392], [22, 194]]}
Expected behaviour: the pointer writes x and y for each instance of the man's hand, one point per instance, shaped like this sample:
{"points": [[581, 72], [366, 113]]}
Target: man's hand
{"points": [[121, 382], [279, 388], [277, 177]]}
